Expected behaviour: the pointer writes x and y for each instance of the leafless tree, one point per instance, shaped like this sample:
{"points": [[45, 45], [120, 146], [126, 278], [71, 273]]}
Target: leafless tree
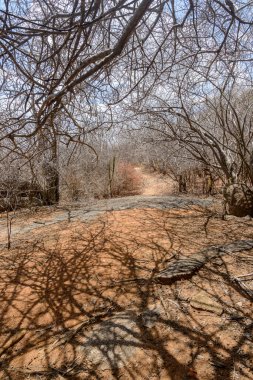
{"points": [[51, 51], [68, 67]]}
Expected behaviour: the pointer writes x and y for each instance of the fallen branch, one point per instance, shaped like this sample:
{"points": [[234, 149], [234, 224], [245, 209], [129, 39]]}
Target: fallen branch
{"points": [[245, 277], [185, 267], [12, 341], [241, 287]]}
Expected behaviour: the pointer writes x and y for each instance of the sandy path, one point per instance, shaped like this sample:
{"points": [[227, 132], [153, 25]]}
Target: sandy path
{"points": [[154, 183]]}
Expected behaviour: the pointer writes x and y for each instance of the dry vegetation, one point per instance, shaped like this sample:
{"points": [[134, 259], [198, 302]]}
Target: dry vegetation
{"points": [[150, 100]]}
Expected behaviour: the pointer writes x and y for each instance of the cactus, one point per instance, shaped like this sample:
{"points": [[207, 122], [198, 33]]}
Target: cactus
{"points": [[111, 172]]}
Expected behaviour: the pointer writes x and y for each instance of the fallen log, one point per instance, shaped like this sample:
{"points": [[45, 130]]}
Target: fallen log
{"points": [[185, 267]]}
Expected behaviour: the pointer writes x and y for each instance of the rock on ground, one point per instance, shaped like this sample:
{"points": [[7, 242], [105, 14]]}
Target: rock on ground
{"points": [[203, 301], [116, 342]]}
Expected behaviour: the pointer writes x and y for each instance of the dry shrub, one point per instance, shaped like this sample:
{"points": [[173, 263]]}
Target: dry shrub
{"points": [[78, 182], [199, 181], [127, 180], [71, 187]]}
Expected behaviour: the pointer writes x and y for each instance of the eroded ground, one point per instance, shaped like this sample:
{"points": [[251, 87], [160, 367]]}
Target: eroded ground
{"points": [[78, 300]]}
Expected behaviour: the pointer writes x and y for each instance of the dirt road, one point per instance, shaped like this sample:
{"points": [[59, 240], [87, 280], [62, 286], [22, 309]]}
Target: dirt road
{"points": [[155, 183]]}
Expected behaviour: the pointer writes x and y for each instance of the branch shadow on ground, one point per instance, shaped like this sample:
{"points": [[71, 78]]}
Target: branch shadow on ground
{"points": [[87, 306]]}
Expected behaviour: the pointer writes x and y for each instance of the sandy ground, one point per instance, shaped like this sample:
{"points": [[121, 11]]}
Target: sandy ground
{"points": [[155, 184], [73, 305]]}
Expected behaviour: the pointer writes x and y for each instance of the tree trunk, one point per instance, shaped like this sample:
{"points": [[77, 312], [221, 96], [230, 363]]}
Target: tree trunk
{"points": [[51, 172], [182, 184]]}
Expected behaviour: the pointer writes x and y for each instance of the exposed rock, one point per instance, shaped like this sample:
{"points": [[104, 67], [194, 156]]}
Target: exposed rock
{"points": [[116, 341], [203, 301], [239, 200], [113, 343], [94, 209], [237, 218]]}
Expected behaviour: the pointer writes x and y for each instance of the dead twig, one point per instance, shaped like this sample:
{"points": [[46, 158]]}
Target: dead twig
{"points": [[241, 287], [11, 342], [162, 301], [244, 275]]}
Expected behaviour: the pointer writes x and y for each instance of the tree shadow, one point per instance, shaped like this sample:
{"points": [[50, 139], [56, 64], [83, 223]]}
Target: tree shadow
{"points": [[87, 307]]}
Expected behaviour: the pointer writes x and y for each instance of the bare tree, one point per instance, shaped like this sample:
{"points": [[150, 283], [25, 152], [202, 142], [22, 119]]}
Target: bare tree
{"points": [[209, 120], [50, 51], [68, 67]]}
